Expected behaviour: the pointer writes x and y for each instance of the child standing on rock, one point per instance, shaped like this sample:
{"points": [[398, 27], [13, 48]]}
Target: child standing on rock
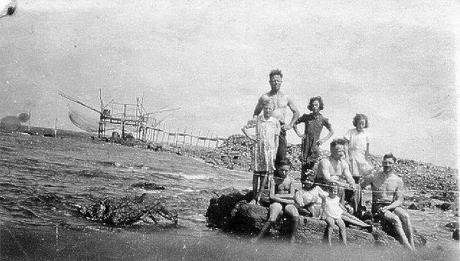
{"points": [[314, 123], [358, 150], [358, 147], [267, 130]]}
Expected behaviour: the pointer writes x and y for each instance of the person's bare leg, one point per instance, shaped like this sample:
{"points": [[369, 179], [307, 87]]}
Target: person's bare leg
{"points": [[406, 224], [291, 210], [275, 211], [342, 230], [255, 181], [347, 217], [356, 200], [396, 222], [262, 186], [330, 224]]}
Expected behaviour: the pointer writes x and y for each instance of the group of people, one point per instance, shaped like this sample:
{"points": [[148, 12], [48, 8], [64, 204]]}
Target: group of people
{"points": [[331, 186]]}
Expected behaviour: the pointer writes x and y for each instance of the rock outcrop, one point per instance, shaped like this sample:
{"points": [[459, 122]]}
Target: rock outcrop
{"points": [[232, 213], [120, 212]]}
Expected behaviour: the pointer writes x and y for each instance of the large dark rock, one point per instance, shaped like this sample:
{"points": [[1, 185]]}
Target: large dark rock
{"points": [[129, 210], [148, 186], [248, 218], [455, 234], [219, 210]]}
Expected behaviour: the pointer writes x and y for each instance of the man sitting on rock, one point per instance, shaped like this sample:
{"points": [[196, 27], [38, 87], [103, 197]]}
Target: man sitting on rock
{"points": [[282, 199], [387, 198], [335, 170]]}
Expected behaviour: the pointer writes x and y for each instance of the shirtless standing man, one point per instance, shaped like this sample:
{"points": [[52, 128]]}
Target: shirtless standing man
{"points": [[282, 102], [281, 200], [387, 198]]}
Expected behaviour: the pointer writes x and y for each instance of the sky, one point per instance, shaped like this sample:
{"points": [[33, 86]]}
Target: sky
{"points": [[394, 61]]}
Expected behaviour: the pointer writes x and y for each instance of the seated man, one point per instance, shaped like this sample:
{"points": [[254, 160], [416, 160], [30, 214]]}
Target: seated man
{"points": [[335, 170], [387, 198], [282, 199]]}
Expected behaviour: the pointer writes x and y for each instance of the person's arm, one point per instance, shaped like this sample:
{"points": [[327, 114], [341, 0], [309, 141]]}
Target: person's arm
{"points": [[367, 180], [329, 135], [367, 154], [398, 198], [323, 204], [324, 170], [368, 141], [297, 131], [259, 106], [277, 135], [295, 114], [347, 174], [281, 198], [244, 130], [299, 120]]}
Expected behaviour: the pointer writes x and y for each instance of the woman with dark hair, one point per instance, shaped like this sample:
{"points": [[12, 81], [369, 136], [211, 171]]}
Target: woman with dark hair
{"points": [[314, 123]]}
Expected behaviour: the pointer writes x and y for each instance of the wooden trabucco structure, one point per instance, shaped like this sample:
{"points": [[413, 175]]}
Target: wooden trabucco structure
{"points": [[124, 115], [144, 125]]}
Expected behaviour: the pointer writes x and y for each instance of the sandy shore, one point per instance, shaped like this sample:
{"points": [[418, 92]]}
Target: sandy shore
{"points": [[43, 243]]}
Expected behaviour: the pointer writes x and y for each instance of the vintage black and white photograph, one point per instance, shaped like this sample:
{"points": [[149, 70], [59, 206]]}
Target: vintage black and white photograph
{"points": [[229, 130]]}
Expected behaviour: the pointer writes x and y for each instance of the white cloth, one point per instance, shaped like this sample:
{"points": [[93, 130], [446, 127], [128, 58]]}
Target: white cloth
{"points": [[358, 140], [332, 208], [264, 153], [356, 151]]}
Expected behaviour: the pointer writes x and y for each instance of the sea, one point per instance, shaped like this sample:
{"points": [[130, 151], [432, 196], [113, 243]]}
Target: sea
{"points": [[45, 180]]}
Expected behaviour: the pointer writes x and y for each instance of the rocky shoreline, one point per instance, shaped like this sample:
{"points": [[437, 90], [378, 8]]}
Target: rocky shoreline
{"points": [[231, 212], [425, 180]]}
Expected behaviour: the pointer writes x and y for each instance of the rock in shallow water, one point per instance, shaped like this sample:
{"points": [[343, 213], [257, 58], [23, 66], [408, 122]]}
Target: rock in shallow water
{"points": [[129, 210]]}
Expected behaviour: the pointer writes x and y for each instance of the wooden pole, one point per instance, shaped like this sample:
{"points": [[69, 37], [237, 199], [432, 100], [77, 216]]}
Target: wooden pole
{"points": [[167, 139], [206, 138], [55, 128], [28, 124], [164, 131], [198, 138], [185, 135], [175, 137]]}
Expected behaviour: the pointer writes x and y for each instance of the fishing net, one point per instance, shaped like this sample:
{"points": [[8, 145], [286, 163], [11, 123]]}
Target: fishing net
{"points": [[83, 122]]}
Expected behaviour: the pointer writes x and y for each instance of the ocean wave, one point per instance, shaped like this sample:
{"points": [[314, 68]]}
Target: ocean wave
{"points": [[197, 177]]}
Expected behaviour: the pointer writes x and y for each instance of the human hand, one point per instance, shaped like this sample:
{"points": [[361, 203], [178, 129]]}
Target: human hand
{"points": [[287, 127], [383, 209]]}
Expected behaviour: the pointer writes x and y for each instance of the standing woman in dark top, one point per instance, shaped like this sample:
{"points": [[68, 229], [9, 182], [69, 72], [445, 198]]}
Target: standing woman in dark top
{"points": [[314, 123]]}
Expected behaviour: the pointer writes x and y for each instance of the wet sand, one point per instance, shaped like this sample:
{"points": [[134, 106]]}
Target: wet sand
{"points": [[43, 243]]}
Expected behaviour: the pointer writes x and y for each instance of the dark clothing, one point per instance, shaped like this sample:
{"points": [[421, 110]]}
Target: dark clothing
{"points": [[314, 124], [282, 146], [354, 197], [375, 209], [308, 176]]}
